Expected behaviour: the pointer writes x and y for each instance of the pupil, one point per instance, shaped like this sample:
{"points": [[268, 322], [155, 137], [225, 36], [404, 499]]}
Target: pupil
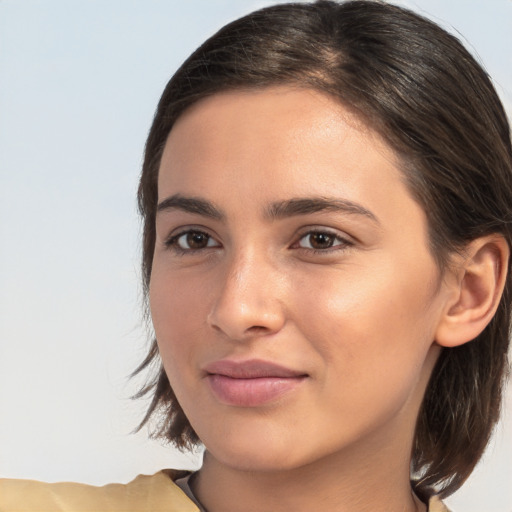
{"points": [[321, 240], [196, 240]]}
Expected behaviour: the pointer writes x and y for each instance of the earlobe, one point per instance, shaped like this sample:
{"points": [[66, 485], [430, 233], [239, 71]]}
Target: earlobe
{"points": [[475, 291]]}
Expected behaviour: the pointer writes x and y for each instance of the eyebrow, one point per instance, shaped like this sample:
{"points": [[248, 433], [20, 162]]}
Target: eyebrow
{"points": [[307, 205], [191, 205], [276, 210]]}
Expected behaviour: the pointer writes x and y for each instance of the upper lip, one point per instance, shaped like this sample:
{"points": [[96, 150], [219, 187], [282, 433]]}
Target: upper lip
{"points": [[250, 369]]}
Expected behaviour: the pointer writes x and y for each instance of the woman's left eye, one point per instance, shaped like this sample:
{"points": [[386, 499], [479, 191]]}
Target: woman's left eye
{"points": [[321, 240]]}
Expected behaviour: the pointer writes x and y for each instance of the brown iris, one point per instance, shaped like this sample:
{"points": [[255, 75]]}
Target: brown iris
{"points": [[321, 240], [197, 240]]}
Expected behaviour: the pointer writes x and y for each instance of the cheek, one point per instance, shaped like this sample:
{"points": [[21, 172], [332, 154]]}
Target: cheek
{"points": [[369, 320], [373, 345], [179, 312]]}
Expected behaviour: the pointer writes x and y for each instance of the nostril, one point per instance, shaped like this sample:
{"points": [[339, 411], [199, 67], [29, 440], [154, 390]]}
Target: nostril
{"points": [[257, 329]]}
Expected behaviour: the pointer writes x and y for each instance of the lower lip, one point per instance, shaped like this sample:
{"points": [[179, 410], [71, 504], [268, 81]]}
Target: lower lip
{"points": [[251, 392]]}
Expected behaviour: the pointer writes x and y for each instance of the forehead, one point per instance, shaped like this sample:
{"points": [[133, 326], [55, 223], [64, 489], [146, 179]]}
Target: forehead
{"points": [[274, 135]]}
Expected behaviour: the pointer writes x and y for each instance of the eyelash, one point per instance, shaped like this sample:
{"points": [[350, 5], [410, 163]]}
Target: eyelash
{"points": [[343, 243], [172, 242]]}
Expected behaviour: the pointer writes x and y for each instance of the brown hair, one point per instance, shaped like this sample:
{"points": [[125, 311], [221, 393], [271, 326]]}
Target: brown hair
{"points": [[436, 107]]}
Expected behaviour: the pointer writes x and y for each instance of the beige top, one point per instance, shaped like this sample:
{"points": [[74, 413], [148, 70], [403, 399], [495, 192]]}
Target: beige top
{"points": [[155, 493]]}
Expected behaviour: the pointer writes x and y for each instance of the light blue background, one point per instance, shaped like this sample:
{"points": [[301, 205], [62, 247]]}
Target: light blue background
{"points": [[79, 81]]}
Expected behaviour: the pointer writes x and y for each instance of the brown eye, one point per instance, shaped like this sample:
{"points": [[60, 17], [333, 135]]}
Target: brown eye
{"points": [[193, 241], [196, 240], [318, 240], [321, 240]]}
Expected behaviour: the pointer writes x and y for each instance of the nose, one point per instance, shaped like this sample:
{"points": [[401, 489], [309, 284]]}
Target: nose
{"points": [[249, 301]]}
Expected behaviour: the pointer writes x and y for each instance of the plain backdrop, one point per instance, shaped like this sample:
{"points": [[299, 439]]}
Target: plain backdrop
{"points": [[79, 82]]}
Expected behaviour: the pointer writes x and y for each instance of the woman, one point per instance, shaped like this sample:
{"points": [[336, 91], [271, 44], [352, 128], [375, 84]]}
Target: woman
{"points": [[326, 197]]}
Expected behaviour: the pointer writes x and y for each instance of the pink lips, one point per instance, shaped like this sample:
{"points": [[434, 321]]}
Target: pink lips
{"points": [[250, 383]]}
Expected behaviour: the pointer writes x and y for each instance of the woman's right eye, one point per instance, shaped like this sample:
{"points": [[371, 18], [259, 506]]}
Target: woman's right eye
{"points": [[191, 240]]}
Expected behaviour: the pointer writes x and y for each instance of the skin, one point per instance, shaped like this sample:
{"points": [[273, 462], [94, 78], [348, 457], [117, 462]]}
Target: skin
{"points": [[351, 300]]}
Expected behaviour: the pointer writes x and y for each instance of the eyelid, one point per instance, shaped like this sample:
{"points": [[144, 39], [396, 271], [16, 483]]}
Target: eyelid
{"points": [[176, 234], [345, 239]]}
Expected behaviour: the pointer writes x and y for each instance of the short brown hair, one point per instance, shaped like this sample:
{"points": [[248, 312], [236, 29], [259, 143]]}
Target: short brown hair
{"points": [[433, 103]]}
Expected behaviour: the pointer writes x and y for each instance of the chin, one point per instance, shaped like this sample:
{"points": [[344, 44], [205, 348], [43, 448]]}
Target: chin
{"points": [[262, 461], [260, 451]]}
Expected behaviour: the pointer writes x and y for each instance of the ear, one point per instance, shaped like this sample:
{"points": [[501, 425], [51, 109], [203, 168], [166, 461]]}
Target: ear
{"points": [[475, 286]]}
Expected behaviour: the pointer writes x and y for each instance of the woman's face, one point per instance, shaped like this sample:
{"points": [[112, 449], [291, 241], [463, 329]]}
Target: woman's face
{"points": [[293, 296]]}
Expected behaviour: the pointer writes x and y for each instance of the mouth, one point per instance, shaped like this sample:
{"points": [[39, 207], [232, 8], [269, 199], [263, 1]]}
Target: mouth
{"points": [[251, 383]]}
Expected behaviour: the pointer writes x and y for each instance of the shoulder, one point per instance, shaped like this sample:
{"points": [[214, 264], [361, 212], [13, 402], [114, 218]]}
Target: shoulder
{"points": [[155, 493], [436, 505]]}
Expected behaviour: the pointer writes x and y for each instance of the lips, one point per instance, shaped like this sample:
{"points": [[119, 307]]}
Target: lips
{"points": [[251, 383]]}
